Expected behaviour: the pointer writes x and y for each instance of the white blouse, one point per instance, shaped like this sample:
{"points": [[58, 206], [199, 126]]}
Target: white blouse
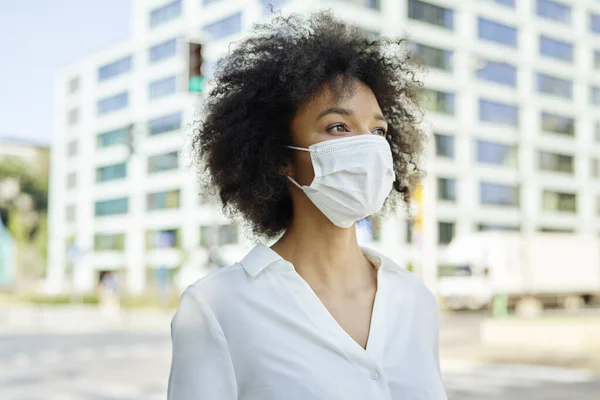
{"points": [[256, 331]]}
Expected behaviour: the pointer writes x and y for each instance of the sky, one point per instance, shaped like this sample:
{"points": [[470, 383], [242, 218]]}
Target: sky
{"points": [[37, 39]]}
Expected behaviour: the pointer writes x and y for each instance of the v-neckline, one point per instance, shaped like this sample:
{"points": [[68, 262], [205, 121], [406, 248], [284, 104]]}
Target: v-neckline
{"points": [[324, 320]]}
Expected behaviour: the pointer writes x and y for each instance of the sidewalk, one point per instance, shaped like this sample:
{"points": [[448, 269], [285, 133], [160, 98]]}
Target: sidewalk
{"points": [[24, 319], [80, 319], [520, 345], [478, 353]]}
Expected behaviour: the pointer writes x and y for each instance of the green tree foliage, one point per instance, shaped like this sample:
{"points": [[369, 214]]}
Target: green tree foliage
{"points": [[27, 227], [32, 183]]}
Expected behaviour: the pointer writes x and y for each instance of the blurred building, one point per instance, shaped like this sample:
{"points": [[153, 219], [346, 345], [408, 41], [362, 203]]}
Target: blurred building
{"points": [[513, 100]]}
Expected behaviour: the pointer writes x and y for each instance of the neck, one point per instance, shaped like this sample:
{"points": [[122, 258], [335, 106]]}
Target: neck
{"points": [[326, 256]]}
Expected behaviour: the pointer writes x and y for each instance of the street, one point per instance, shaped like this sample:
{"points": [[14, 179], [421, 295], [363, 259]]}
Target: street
{"points": [[134, 366], [84, 366]]}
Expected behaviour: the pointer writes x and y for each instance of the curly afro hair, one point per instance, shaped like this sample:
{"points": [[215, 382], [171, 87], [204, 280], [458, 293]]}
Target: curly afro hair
{"points": [[239, 145]]}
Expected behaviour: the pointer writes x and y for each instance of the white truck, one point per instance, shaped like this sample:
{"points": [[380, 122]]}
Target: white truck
{"points": [[543, 269]]}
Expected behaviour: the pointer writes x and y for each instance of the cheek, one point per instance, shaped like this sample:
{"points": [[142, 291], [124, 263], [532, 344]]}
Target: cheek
{"points": [[303, 169]]}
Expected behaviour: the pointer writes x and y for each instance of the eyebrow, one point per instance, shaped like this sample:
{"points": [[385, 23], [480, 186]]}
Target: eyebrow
{"points": [[344, 111]]}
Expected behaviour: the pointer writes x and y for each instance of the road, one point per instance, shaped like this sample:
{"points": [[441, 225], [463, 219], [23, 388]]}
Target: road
{"points": [[134, 366]]}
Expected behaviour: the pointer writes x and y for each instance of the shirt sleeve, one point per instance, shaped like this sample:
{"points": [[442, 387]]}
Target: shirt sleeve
{"points": [[201, 366]]}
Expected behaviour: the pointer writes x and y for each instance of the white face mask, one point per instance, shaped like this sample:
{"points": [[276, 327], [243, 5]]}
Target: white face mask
{"points": [[353, 177]]}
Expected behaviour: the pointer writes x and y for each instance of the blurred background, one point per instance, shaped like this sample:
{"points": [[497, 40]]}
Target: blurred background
{"points": [[103, 224]]}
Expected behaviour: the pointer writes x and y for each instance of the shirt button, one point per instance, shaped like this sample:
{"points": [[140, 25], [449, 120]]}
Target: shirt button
{"points": [[374, 375]]}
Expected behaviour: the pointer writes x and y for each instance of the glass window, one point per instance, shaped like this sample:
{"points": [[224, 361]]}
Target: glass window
{"points": [[109, 241], [558, 124], [595, 95], [166, 13], [111, 138], [112, 207], [432, 56], [444, 145], [485, 227], [163, 162], [166, 123], [498, 113], [70, 213], [72, 148], [374, 4], [207, 198], [162, 238], [71, 180], [162, 51], [498, 72], [595, 168], [163, 200], [115, 68], [557, 201], [554, 86], [73, 116], [498, 194], [508, 3], [162, 87], [225, 27], [112, 103], [408, 234], [547, 229], [597, 59], [228, 234], [597, 131], [224, 234], [497, 32], [445, 232], [111, 172], [489, 152], [595, 23], [554, 10], [73, 84], [436, 101], [207, 237], [556, 48], [431, 14], [556, 162], [446, 189]]}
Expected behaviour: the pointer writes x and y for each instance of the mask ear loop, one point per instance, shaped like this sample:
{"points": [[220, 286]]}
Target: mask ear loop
{"points": [[294, 182], [289, 177], [298, 148]]}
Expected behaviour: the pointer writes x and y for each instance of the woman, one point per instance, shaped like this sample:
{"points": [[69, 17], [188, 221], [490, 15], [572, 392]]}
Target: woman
{"points": [[309, 128]]}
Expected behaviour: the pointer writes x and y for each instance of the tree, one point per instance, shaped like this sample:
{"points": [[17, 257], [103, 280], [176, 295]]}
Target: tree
{"points": [[24, 199]]}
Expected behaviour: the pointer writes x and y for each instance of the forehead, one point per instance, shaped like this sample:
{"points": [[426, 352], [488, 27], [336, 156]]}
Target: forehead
{"points": [[344, 93]]}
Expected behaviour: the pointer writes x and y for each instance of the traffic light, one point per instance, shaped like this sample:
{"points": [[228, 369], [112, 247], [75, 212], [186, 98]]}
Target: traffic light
{"points": [[195, 77]]}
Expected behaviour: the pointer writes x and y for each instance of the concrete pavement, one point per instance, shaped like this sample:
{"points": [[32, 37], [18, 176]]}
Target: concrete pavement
{"points": [[80, 353], [80, 318], [134, 366]]}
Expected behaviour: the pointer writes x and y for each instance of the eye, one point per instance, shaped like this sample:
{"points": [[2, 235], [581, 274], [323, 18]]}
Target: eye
{"points": [[338, 128], [379, 131]]}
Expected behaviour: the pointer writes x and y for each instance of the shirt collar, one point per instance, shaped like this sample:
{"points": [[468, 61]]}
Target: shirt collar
{"points": [[259, 258], [262, 256], [379, 260]]}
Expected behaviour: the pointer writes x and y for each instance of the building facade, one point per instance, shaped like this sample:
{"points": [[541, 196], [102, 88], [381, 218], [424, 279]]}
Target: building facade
{"points": [[512, 100]]}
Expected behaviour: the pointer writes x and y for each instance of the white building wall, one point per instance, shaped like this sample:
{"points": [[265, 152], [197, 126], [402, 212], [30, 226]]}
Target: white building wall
{"points": [[392, 20]]}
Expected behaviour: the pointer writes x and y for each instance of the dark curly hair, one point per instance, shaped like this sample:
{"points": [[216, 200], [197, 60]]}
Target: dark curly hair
{"points": [[239, 145]]}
